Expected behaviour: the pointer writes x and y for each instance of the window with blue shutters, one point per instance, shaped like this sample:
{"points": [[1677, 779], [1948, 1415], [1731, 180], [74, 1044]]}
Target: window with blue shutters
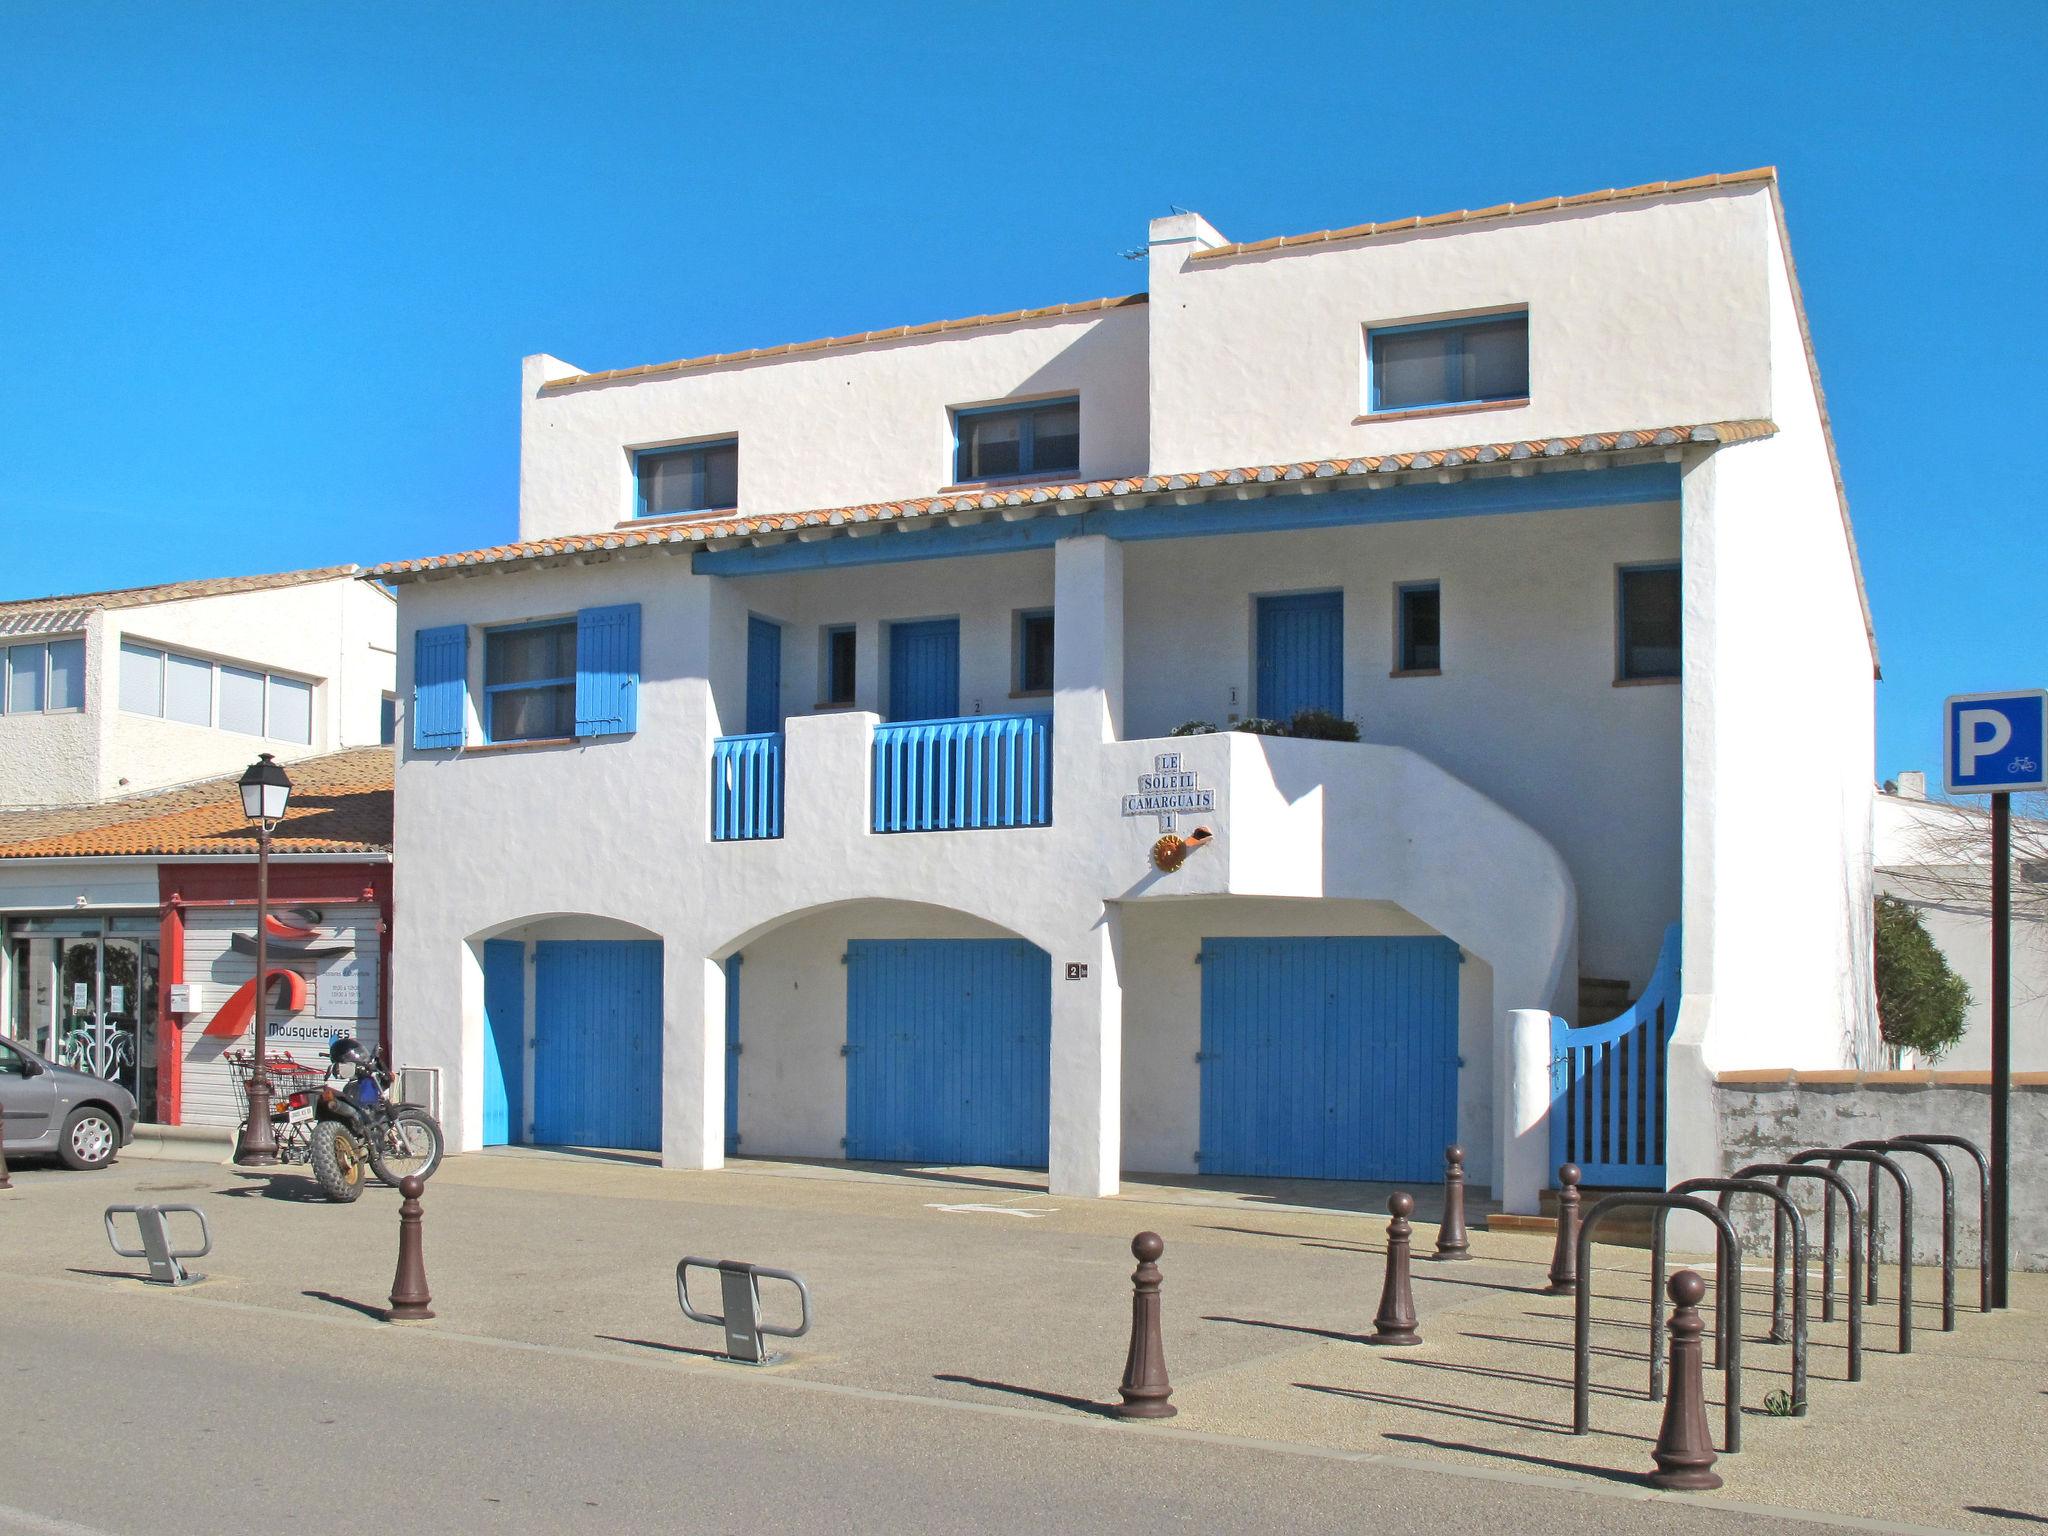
{"points": [[440, 673], [607, 670]]}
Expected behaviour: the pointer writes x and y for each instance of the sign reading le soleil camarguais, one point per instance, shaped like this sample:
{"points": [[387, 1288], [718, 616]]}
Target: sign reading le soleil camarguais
{"points": [[1167, 791]]}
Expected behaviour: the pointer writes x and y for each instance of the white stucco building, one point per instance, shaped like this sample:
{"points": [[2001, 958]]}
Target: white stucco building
{"points": [[793, 783], [114, 693]]}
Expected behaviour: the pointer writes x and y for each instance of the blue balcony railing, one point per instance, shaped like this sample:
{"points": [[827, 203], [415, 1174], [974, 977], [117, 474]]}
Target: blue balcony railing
{"points": [[746, 787], [959, 775]]}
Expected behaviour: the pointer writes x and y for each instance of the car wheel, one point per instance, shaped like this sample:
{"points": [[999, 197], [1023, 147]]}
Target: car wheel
{"points": [[90, 1139]]}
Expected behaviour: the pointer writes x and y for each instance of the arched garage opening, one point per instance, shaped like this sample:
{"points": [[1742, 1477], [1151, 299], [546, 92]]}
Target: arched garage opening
{"points": [[884, 1031], [571, 1048]]}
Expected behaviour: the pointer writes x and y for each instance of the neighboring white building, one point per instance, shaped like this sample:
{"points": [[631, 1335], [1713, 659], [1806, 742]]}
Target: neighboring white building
{"points": [[113, 693], [796, 778], [1936, 856]]}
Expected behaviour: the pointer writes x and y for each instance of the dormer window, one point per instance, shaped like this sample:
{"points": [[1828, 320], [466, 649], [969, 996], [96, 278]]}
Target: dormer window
{"points": [[697, 477], [1442, 364], [1011, 442]]}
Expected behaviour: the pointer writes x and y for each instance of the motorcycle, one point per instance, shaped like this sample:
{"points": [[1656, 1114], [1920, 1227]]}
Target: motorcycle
{"points": [[363, 1122]]}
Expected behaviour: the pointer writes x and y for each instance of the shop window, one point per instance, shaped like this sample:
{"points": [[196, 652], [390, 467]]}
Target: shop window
{"points": [[530, 682], [1651, 623], [46, 677], [1419, 627], [1034, 652], [839, 665], [1449, 363], [703, 477], [1011, 442]]}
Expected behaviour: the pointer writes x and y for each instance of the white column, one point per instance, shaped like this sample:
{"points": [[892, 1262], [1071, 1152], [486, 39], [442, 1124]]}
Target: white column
{"points": [[1086, 1152], [1088, 643], [1523, 1079], [693, 1060]]}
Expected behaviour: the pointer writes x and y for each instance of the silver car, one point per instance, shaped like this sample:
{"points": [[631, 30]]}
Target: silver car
{"points": [[83, 1119]]}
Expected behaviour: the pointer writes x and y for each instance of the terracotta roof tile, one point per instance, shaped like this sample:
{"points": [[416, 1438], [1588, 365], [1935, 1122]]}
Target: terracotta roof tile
{"points": [[174, 591], [1497, 211], [891, 333], [341, 803], [699, 531]]}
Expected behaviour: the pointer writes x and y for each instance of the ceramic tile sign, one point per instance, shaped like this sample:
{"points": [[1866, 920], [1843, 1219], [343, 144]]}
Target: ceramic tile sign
{"points": [[1167, 791]]}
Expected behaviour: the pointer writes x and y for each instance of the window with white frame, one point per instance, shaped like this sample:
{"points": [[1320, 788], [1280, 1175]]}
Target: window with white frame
{"points": [[194, 690], [43, 677]]}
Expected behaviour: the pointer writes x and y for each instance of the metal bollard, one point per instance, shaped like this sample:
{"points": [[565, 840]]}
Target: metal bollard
{"points": [[164, 1265], [1451, 1242], [1564, 1258], [1394, 1323], [1145, 1389], [740, 1289], [409, 1297], [1685, 1451]]}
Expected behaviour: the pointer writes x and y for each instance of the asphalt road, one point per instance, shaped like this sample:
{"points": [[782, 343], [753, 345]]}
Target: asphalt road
{"points": [[135, 1411]]}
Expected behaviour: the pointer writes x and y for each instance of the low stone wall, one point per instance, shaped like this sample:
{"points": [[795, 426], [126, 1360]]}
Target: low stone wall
{"points": [[1767, 1116]]}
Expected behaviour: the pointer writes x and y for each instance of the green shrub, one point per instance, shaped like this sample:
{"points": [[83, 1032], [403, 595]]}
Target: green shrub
{"points": [[1259, 725], [1920, 1002], [1321, 725], [1193, 728]]}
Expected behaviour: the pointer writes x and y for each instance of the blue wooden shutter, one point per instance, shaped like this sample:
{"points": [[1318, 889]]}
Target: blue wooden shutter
{"points": [[1301, 654], [764, 675], [607, 670], [440, 677]]}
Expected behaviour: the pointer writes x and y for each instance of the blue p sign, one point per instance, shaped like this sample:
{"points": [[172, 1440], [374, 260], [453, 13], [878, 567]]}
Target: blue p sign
{"points": [[1995, 742]]}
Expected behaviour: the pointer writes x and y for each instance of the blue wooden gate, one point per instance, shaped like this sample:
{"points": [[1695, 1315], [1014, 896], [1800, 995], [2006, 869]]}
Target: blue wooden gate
{"points": [[1607, 1085], [948, 1051], [1301, 654], [504, 1041], [764, 675], [924, 670], [597, 1043], [1329, 1058]]}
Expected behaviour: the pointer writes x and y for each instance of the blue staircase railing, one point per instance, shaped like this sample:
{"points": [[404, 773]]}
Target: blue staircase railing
{"points": [[1607, 1108], [961, 775], [746, 787]]}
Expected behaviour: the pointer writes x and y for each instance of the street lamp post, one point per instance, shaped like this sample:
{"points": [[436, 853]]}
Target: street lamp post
{"points": [[265, 792]]}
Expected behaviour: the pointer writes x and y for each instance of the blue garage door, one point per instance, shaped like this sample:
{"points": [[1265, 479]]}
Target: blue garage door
{"points": [[1301, 654], [948, 1051], [1329, 1058], [504, 1041], [924, 670], [597, 1043]]}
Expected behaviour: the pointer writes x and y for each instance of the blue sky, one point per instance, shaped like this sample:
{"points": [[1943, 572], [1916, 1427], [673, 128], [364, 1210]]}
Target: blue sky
{"points": [[267, 271]]}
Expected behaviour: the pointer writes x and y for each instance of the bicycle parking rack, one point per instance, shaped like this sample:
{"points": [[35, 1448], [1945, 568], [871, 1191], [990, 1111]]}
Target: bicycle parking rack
{"points": [[1943, 1139], [740, 1288], [1832, 1184], [165, 1267], [1948, 1219], [1834, 1157], [1789, 1220], [1727, 1305]]}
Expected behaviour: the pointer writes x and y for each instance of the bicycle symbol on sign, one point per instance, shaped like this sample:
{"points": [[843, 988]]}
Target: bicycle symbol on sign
{"points": [[2021, 764]]}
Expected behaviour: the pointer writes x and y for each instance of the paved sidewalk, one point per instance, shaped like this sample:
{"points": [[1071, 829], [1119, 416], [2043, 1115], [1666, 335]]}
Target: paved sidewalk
{"points": [[975, 1291]]}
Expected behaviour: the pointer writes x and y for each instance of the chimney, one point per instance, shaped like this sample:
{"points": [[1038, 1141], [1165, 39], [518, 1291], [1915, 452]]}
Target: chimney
{"points": [[1912, 786]]}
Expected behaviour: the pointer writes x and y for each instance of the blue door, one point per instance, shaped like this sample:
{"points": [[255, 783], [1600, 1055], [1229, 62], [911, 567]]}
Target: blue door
{"points": [[1329, 1058], [924, 670], [948, 1051], [764, 676], [1301, 654], [597, 1043], [732, 1055], [504, 1040]]}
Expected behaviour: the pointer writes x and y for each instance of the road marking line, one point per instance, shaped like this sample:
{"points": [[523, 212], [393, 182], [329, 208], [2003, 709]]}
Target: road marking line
{"points": [[992, 1210], [43, 1525]]}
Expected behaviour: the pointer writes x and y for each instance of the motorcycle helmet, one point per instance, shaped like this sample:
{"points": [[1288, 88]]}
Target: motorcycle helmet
{"points": [[343, 1049]]}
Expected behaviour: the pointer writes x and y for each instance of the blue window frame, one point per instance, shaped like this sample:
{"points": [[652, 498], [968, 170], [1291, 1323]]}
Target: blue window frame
{"points": [[1034, 649], [530, 681], [1448, 362], [1418, 627], [1009, 442], [701, 477], [1650, 623]]}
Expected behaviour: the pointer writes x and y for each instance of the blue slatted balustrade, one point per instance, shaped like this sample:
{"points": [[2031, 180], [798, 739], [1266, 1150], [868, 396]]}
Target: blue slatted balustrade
{"points": [[1607, 1085], [960, 775], [746, 787]]}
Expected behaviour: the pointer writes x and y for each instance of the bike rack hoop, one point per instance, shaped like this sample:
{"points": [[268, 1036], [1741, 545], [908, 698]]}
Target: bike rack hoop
{"points": [[1964, 1144], [1789, 1225], [1834, 1157], [740, 1291], [153, 1230], [1832, 1184]]}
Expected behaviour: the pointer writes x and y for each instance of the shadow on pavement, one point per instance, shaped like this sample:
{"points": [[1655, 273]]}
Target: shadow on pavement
{"points": [[2006, 1514], [377, 1313], [1059, 1399], [1493, 1373], [666, 1349], [1524, 1457], [1322, 1333], [296, 1189], [1450, 1410]]}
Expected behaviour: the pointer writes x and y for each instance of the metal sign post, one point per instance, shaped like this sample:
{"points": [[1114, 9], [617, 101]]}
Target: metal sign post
{"points": [[1995, 743]]}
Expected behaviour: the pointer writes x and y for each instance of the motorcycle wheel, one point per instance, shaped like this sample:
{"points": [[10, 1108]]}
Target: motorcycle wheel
{"points": [[410, 1144], [338, 1161]]}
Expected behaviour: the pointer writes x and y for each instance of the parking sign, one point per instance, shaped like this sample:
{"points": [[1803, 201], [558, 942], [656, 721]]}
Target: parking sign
{"points": [[1994, 742]]}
